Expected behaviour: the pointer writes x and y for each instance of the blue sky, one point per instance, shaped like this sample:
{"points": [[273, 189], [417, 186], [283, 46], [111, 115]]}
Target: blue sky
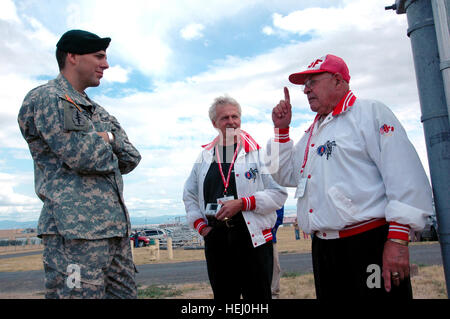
{"points": [[170, 59]]}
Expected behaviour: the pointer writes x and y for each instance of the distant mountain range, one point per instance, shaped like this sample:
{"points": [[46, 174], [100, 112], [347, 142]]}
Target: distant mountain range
{"points": [[135, 221], [12, 224], [166, 219]]}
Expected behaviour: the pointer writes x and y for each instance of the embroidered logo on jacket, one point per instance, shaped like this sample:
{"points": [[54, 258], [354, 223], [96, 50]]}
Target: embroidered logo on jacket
{"points": [[386, 130], [326, 148], [251, 174], [78, 119]]}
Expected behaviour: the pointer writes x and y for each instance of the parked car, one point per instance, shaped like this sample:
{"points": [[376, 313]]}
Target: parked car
{"points": [[142, 240], [430, 230], [155, 233]]}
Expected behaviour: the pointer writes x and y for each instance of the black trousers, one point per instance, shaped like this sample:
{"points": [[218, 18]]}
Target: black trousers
{"points": [[351, 267], [235, 267]]}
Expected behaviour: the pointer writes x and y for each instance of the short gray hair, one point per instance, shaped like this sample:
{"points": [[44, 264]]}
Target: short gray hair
{"points": [[221, 101]]}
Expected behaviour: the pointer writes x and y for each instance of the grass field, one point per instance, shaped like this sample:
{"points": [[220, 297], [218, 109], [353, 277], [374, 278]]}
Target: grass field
{"points": [[429, 283]]}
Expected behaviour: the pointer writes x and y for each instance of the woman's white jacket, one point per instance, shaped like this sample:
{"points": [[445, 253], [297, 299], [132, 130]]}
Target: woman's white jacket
{"points": [[253, 182]]}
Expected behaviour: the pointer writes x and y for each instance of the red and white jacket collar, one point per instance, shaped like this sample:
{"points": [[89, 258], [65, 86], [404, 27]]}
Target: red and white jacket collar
{"points": [[345, 103], [246, 140], [343, 106]]}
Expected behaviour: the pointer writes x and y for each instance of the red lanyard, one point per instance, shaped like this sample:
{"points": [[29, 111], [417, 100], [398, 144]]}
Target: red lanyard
{"points": [[311, 129], [226, 182]]}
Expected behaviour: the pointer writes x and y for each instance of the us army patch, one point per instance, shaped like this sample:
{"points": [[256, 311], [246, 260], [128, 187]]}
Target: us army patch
{"points": [[74, 120]]}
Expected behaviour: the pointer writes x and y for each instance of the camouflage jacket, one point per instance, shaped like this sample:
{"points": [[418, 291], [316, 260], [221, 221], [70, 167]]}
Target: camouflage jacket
{"points": [[78, 175]]}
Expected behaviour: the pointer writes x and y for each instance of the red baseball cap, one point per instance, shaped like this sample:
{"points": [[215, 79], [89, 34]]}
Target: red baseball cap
{"points": [[329, 63]]}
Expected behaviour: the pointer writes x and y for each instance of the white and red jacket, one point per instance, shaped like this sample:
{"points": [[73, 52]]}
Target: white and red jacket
{"points": [[361, 172], [261, 195]]}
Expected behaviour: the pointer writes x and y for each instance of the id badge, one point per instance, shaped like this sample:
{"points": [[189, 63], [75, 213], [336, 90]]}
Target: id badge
{"points": [[301, 188], [224, 199]]}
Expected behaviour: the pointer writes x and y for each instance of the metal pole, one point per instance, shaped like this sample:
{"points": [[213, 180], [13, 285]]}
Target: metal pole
{"points": [[421, 30], [441, 14]]}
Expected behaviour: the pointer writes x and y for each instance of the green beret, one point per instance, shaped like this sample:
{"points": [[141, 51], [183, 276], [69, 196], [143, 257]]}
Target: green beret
{"points": [[82, 42]]}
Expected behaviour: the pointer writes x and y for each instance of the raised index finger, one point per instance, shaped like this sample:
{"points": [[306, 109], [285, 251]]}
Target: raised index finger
{"points": [[286, 95]]}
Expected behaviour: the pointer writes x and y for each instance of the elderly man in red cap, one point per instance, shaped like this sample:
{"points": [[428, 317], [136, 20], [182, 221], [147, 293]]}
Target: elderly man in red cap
{"points": [[360, 186]]}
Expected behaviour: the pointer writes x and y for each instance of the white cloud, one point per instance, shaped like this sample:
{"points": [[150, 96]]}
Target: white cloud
{"points": [[268, 30], [116, 74], [14, 205], [26, 48], [41, 35], [359, 15], [192, 31], [8, 11], [143, 33], [11, 101]]}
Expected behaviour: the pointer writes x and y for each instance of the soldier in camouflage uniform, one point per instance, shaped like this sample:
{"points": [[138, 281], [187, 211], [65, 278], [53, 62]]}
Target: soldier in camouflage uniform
{"points": [[80, 152]]}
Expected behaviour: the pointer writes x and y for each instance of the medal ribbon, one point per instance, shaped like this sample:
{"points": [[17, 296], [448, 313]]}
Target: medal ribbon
{"points": [[311, 129], [226, 182]]}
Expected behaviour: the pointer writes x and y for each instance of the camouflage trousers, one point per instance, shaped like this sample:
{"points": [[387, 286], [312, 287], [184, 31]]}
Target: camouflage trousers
{"points": [[94, 269]]}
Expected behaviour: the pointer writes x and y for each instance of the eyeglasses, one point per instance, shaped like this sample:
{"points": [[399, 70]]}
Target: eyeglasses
{"points": [[311, 83]]}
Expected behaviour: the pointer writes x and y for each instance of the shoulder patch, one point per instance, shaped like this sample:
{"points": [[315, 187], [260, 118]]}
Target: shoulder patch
{"points": [[74, 120], [386, 130]]}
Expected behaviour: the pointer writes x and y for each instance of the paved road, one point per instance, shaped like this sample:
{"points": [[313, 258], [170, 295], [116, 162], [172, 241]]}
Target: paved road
{"points": [[29, 253], [195, 271]]}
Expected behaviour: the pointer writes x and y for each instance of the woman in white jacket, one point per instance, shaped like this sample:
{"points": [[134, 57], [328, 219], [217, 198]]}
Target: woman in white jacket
{"points": [[238, 238]]}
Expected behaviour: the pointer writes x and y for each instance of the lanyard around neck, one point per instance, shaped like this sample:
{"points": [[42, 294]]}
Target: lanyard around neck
{"points": [[226, 182], [311, 129]]}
